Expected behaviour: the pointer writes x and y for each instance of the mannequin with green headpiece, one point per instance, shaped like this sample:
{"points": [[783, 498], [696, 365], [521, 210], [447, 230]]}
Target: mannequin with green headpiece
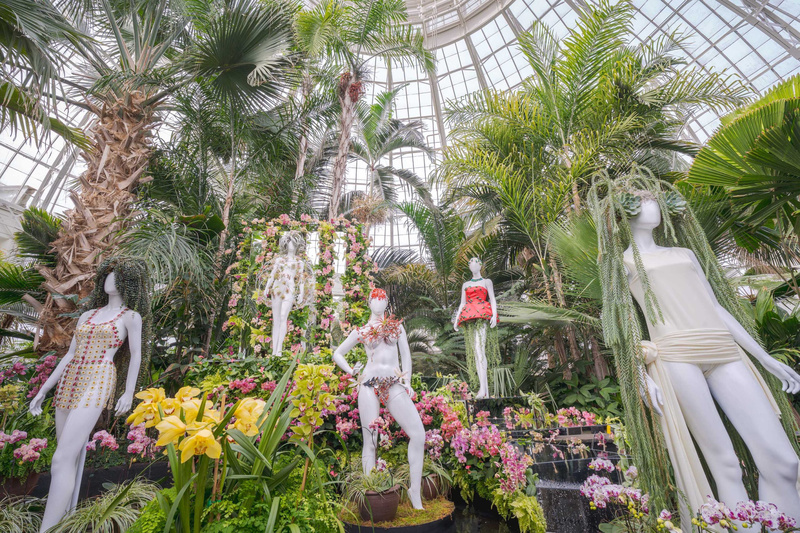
{"points": [[100, 370], [717, 396]]}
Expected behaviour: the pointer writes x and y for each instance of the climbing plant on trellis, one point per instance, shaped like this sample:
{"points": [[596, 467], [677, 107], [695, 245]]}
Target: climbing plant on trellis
{"points": [[250, 314]]}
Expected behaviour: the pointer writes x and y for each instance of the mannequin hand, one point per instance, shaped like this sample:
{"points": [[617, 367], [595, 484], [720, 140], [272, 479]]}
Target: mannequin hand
{"points": [[356, 370], [455, 326], [654, 397], [493, 321], [407, 386], [124, 404], [36, 404], [789, 378]]}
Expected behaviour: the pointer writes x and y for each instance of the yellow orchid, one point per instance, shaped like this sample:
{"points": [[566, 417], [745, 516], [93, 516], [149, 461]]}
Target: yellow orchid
{"points": [[151, 395], [146, 412], [187, 393], [170, 406], [170, 430], [250, 408], [202, 442]]}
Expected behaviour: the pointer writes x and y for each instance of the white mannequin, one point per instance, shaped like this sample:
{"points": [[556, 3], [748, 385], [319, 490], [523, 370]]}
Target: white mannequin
{"points": [[283, 279], [738, 394], [481, 362], [382, 362], [74, 426]]}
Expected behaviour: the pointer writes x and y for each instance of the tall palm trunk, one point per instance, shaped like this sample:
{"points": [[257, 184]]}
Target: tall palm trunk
{"points": [[349, 92], [121, 151], [302, 148]]}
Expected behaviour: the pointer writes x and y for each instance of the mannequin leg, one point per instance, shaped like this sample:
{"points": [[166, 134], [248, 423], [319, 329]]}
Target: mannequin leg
{"points": [[280, 314], [705, 425], [76, 427], [403, 410], [744, 402], [368, 410], [276, 324], [481, 364]]}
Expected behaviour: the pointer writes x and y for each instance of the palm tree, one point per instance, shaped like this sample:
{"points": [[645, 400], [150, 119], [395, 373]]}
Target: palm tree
{"points": [[378, 135], [30, 56], [238, 50], [365, 30], [755, 159], [519, 161]]}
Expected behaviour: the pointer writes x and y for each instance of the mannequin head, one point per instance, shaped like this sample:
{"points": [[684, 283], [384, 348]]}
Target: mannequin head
{"points": [[110, 285], [378, 301], [292, 242], [475, 266], [649, 217]]}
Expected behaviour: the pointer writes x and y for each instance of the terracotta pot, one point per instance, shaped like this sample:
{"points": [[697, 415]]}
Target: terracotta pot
{"points": [[380, 506], [11, 486], [431, 488]]}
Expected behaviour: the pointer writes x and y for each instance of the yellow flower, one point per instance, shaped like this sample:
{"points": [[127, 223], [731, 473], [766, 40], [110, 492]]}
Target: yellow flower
{"points": [[187, 393], [202, 442], [146, 412], [151, 395], [170, 430], [250, 408], [170, 406]]}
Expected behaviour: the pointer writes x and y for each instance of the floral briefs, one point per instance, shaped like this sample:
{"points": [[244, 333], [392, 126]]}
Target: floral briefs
{"points": [[381, 385]]}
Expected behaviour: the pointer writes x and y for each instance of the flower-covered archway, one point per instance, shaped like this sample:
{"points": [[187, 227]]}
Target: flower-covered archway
{"points": [[249, 313]]}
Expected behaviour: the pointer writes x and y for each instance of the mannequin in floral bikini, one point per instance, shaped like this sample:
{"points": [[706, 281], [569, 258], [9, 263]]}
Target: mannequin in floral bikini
{"points": [[382, 381]]}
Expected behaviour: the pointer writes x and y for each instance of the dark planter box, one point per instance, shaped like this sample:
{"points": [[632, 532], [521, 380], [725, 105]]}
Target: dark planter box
{"points": [[94, 478]]}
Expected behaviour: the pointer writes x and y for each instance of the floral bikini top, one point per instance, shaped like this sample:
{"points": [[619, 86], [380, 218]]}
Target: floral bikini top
{"points": [[387, 330]]}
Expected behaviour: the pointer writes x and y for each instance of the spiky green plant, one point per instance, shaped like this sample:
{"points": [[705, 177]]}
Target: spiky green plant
{"points": [[20, 515], [113, 511]]}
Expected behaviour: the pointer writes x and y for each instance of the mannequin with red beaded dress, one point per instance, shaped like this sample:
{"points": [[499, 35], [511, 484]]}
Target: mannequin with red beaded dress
{"points": [[477, 314]]}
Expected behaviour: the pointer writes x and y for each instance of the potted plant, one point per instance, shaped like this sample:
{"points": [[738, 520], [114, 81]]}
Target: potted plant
{"points": [[436, 480], [377, 494], [21, 460]]}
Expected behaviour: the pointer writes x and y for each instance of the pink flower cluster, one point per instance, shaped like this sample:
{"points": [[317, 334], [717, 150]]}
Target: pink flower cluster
{"points": [[434, 443], [477, 441], [141, 444], [13, 438], [513, 468], [599, 464], [244, 386], [105, 439], [431, 406], [43, 372], [517, 418], [17, 369], [30, 452], [748, 512], [571, 416], [601, 491]]}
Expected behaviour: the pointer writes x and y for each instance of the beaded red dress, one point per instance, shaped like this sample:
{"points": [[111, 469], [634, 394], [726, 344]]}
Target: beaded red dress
{"points": [[477, 305], [89, 379]]}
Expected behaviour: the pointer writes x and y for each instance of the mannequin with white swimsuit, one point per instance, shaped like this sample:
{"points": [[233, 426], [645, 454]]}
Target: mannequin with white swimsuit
{"points": [[695, 359], [383, 381], [88, 387]]}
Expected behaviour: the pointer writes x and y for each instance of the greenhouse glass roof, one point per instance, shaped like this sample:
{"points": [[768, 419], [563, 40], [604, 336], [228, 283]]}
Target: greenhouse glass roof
{"points": [[474, 42]]}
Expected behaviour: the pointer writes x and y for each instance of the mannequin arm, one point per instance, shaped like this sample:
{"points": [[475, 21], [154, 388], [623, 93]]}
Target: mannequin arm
{"points": [[460, 307], [789, 378], [405, 360], [338, 356], [36, 404], [133, 323], [490, 290]]}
